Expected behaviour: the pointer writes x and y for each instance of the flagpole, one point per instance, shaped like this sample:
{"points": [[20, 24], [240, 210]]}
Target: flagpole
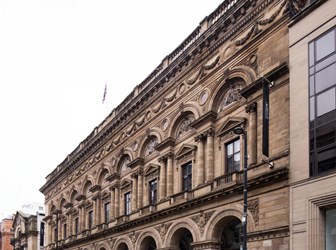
{"points": [[106, 105], [105, 99]]}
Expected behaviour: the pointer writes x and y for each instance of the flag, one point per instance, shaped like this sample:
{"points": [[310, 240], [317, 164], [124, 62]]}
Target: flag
{"points": [[104, 93]]}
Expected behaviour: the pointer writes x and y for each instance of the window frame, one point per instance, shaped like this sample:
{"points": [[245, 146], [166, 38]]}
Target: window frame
{"points": [[65, 233], [107, 212], [90, 219], [128, 203], [186, 171], [153, 198], [325, 121], [234, 152], [76, 226]]}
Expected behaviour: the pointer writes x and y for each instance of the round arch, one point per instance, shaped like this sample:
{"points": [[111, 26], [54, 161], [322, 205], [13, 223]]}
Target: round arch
{"points": [[152, 139], [103, 246], [179, 116], [73, 195], [224, 215], [87, 183], [103, 172], [175, 233], [61, 204], [141, 243], [123, 244], [243, 72], [52, 209]]}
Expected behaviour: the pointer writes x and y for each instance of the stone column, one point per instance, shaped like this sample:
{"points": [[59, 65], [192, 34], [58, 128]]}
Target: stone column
{"points": [[134, 192], [140, 190], [162, 187], [200, 160], [210, 156], [49, 231], [252, 137], [82, 217], [170, 181], [69, 220], [117, 201], [97, 212], [112, 203], [59, 227]]}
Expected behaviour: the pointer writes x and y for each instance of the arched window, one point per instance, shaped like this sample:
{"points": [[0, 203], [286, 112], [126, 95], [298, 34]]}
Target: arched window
{"points": [[123, 163], [231, 92], [184, 125], [150, 147]]}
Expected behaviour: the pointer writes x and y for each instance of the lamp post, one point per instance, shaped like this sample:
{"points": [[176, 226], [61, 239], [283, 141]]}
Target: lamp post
{"points": [[241, 131]]}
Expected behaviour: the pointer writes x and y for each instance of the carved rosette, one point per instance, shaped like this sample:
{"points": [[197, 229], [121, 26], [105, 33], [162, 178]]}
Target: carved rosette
{"points": [[201, 220]]}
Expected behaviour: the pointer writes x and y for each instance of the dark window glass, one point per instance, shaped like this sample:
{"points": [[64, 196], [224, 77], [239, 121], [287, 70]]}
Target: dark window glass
{"points": [[107, 212], [90, 214], [64, 230], [153, 192], [76, 226], [127, 203], [322, 92], [42, 234], [233, 156], [187, 176], [56, 234]]}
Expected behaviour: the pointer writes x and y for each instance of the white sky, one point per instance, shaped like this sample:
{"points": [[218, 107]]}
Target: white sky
{"points": [[55, 57]]}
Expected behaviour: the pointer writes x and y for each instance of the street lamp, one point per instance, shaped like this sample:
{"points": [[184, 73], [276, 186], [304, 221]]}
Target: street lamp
{"points": [[241, 131]]}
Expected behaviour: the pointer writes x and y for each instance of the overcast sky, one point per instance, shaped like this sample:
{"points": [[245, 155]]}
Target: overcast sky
{"points": [[55, 58]]}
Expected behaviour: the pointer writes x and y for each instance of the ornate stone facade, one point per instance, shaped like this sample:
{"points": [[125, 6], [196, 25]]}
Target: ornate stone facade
{"points": [[155, 175]]}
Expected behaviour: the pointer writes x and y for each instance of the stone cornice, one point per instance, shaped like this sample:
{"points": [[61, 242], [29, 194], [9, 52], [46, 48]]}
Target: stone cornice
{"points": [[95, 188], [112, 177], [80, 197], [136, 162], [169, 142], [219, 27], [209, 117]]}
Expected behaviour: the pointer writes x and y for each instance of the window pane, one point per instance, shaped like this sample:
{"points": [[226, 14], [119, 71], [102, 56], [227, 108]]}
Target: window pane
{"points": [[326, 78], [312, 108], [236, 146], [311, 86], [331, 229], [237, 161], [324, 63], [326, 102], [325, 45], [311, 54], [229, 149], [326, 160], [325, 135], [230, 165]]}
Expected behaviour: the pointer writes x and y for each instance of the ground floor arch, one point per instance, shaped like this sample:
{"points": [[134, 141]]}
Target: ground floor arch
{"points": [[148, 243]]}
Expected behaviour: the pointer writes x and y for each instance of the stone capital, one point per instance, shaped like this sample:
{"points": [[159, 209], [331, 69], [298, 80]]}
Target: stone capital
{"points": [[252, 107]]}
